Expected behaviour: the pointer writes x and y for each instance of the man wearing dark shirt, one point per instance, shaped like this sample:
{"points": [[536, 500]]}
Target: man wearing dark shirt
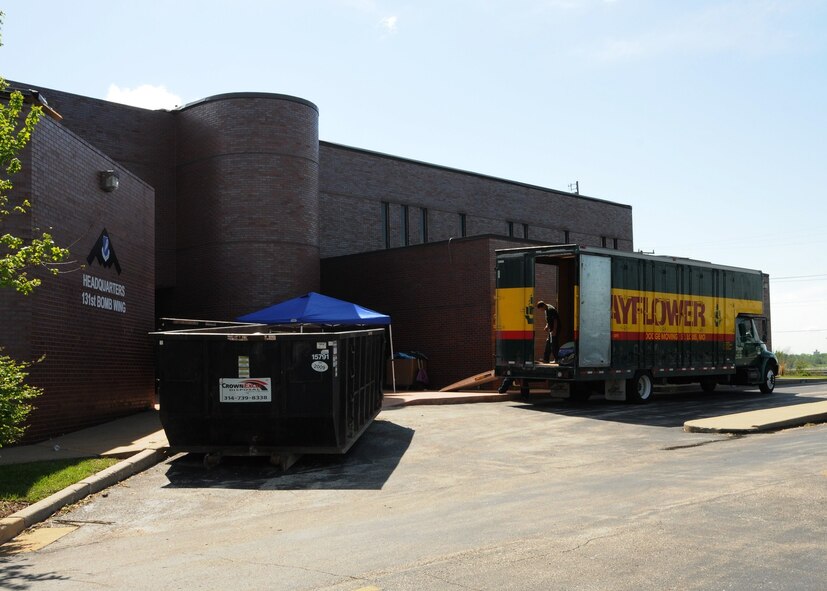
{"points": [[552, 326]]}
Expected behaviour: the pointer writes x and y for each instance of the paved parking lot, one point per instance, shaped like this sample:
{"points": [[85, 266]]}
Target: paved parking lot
{"points": [[483, 496]]}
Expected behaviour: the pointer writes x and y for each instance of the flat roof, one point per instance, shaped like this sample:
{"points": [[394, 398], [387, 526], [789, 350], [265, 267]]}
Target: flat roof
{"points": [[474, 174]]}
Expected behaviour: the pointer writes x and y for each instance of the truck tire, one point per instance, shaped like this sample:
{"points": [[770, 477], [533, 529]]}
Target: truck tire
{"points": [[767, 384], [579, 393], [708, 384], [639, 388]]}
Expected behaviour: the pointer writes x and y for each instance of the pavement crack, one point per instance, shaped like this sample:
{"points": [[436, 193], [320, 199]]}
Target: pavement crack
{"points": [[450, 582], [293, 566], [590, 540], [701, 443]]}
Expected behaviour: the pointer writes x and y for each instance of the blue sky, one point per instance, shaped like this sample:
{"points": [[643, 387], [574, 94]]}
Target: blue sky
{"points": [[708, 118]]}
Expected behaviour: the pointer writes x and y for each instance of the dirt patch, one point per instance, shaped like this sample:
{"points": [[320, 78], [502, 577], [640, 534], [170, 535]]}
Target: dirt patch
{"points": [[9, 507]]}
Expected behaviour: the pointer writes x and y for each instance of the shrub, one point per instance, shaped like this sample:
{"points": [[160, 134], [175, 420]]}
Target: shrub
{"points": [[14, 394]]}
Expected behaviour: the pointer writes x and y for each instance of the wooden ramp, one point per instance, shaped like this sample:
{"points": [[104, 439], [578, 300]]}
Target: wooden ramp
{"points": [[472, 382]]}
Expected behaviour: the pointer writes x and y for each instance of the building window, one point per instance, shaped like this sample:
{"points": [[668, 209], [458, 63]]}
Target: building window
{"points": [[406, 236], [525, 230], [511, 229], [615, 242], [603, 241], [463, 228], [423, 225], [386, 224], [566, 237]]}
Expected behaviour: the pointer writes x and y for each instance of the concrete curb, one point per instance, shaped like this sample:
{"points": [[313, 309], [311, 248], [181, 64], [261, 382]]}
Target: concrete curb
{"points": [[398, 400], [768, 419], [15, 523]]}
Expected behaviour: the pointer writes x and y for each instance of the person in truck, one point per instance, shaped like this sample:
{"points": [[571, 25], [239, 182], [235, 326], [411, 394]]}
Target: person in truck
{"points": [[552, 328]]}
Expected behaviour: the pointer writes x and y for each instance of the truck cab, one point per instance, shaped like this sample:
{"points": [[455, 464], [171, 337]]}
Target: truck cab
{"points": [[754, 363]]}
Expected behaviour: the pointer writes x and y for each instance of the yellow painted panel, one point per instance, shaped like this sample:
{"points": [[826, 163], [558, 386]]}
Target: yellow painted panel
{"points": [[515, 308]]}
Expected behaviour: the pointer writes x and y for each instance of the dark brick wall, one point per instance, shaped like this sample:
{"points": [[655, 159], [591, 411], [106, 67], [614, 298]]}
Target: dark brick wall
{"points": [[98, 363], [139, 140], [440, 297], [354, 183], [248, 204]]}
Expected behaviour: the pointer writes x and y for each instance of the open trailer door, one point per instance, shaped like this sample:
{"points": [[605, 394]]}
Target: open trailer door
{"points": [[594, 315], [515, 310]]}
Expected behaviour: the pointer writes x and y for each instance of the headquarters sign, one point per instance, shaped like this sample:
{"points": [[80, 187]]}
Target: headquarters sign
{"points": [[99, 292]]}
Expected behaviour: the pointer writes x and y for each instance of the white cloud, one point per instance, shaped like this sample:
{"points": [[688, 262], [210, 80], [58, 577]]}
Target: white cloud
{"points": [[389, 23], [145, 96]]}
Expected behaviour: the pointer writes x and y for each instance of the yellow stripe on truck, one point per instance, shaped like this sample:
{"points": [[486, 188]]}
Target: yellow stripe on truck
{"points": [[669, 313], [515, 309]]}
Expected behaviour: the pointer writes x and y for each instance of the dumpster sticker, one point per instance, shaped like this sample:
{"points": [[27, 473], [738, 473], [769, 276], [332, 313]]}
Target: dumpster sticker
{"points": [[245, 390], [320, 360], [243, 366]]}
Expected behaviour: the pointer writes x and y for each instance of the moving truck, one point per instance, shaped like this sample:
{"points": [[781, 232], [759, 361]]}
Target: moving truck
{"points": [[630, 320]]}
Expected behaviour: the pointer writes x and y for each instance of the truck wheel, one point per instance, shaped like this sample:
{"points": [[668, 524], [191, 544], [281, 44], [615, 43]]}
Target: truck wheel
{"points": [[212, 459], [639, 388], [708, 384], [579, 393], [767, 385]]}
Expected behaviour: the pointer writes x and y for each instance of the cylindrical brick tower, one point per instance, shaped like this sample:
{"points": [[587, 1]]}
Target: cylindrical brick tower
{"points": [[247, 203]]}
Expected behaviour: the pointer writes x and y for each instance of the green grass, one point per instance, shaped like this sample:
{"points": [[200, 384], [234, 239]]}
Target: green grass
{"points": [[34, 481], [799, 377]]}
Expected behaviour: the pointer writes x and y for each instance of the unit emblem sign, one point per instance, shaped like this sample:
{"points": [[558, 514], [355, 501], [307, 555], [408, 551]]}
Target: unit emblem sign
{"points": [[245, 390], [99, 292], [104, 253]]}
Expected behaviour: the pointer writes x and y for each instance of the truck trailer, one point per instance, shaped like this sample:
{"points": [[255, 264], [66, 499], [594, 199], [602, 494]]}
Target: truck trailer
{"points": [[629, 321]]}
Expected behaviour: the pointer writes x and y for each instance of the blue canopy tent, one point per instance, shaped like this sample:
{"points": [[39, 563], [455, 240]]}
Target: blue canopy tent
{"points": [[315, 308]]}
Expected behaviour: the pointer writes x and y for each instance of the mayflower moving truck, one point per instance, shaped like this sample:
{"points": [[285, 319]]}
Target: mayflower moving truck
{"points": [[629, 320]]}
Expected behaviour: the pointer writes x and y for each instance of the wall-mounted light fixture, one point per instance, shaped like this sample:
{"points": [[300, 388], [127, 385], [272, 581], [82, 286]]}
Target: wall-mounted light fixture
{"points": [[108, 180]]}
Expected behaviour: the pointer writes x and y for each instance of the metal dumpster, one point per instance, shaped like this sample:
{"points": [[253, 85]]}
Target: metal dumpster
{"points": [[239, 389]]}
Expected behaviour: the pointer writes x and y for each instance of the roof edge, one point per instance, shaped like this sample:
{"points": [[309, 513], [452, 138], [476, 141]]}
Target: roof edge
{"points": [[475, 174], [250, 95]]}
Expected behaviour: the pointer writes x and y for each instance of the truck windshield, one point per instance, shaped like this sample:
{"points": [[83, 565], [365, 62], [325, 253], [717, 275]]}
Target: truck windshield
{"points": [[748, 331]]}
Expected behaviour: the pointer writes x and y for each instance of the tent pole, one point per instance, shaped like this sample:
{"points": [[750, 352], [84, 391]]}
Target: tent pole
{"points": [[393, 366]]}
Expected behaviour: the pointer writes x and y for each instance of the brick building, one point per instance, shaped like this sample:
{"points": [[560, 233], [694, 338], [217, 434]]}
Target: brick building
{"points": [[232, 203]]}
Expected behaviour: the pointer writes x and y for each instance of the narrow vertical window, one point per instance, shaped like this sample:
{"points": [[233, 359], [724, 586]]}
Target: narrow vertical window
{"points": [[511, 229], [525, 230], [462, 225], [423, 225], [603, 241], [386, 224], [615, 242], [567, 237], [406, 237]]}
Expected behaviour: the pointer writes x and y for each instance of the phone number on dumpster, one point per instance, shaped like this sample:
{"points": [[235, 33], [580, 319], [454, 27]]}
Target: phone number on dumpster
{"points": [[245, 390]]}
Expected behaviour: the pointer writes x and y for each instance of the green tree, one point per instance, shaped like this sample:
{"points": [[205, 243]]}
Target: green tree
{"points": [[15, 395], [18, 255]]}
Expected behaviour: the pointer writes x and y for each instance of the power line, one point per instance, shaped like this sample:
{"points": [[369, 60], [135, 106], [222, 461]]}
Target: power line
{"points": [[798, 303], [820, 277], [751, 242]]}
